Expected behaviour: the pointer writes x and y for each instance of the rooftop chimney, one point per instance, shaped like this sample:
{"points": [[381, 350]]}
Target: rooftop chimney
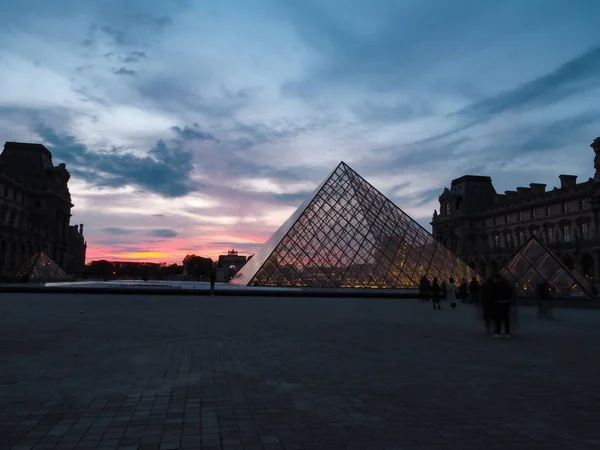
{"points": [[537, 188], [567, 181], [511, 196]]}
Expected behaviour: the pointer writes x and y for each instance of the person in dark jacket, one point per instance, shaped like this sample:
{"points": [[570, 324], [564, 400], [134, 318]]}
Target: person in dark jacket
{"points": [[474, 290], [542, 292], [502, 303], [488, 300], [436, 294], [424, 289], [463, 291]]}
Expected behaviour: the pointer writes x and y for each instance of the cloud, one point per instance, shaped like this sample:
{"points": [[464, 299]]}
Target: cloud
{"points": [[194, 133], [411, 94], [166, 170], [124, 71], [577, 75], [163, 232], [118, 36], [117, 230], [140, 54], [162, 22], [135, 56]]}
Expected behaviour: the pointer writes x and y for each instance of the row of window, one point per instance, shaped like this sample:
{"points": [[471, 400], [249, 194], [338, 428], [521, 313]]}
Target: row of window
{"points": [[12, 194], [533, 212], [550, 235]]}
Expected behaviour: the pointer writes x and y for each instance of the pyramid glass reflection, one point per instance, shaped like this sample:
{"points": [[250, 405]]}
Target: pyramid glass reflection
{"points": [[348, 234], [40, 267], [535, 263]]}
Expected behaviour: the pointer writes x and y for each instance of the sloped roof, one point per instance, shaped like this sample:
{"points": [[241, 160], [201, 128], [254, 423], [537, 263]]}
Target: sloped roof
{"points": [[40, 267], [348, 234], [535, 263]]}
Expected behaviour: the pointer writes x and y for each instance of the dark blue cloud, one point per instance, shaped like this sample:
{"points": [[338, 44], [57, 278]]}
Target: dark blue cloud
{"points": [[138, 54], [117, 230], [167, 169], [163, 232], [194, 133], [124, 71], [119, 36], [578, 75]]}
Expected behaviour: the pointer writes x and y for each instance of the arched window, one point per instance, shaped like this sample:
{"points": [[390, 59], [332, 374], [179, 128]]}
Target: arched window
{"points": [[566, 229]]}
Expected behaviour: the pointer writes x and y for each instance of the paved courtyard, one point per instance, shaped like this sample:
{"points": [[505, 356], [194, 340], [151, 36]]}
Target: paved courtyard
{"points": [[134, 372]]}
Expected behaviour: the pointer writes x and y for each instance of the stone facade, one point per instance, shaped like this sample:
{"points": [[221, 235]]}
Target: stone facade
{"points": [[35, 210], [486, 228]]}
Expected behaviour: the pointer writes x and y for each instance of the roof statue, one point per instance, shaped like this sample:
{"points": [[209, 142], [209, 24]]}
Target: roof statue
{"points": [[534, 263], [348, 234]]}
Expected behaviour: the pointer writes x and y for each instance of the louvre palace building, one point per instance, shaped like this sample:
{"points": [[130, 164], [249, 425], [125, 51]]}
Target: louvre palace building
{"points": [[486, 228], [35, 210]]}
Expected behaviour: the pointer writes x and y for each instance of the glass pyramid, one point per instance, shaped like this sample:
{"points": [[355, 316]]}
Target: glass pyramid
{"points": [[534, 263], [40, 267], [348, 234]]}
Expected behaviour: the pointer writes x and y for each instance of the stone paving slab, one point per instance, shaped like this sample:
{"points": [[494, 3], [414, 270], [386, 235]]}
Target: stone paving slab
{"points": [[134, 372]]}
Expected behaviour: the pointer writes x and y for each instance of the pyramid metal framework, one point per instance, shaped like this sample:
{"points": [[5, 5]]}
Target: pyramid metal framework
{"points": [[348, 234], [535, 263], [40, 267]]}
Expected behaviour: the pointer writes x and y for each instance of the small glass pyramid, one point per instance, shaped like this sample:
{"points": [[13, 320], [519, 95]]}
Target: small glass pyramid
{"points": [[40, 267], [348, 234], [535, 263]]}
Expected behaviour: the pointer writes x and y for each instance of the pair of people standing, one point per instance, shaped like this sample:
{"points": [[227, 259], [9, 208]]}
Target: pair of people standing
{"points": [[441, 291], [496, 298]]}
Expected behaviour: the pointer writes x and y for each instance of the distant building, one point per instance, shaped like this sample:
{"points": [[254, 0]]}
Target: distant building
{"points": [[485, 228], [229, 264], [35, 209], [231, 258]]}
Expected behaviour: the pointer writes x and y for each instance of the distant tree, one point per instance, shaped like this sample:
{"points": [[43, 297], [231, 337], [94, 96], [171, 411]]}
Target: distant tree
{"points": [[188, 258], [197, 266], [101, 268], [173, 269]]}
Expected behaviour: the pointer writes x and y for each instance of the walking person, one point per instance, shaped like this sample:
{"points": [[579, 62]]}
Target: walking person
{"points": [[424, 289], [474, 290], [213, 278], [542, 291], [444, 290], [436, 294], [488, 292], [452, 293], [502, 308], [463, 291]]}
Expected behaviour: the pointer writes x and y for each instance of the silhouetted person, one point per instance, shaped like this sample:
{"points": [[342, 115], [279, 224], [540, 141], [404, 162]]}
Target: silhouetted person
{"points": [[474, 290], [542, 293], [213, 278], [452, 293], [436, 294], [424, 288], [488, 301], [502, 307], [444, 290], [463, 291]]}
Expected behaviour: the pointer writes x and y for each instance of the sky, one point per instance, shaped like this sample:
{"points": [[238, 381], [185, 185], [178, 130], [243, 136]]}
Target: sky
{"points": [[197, 127]]}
